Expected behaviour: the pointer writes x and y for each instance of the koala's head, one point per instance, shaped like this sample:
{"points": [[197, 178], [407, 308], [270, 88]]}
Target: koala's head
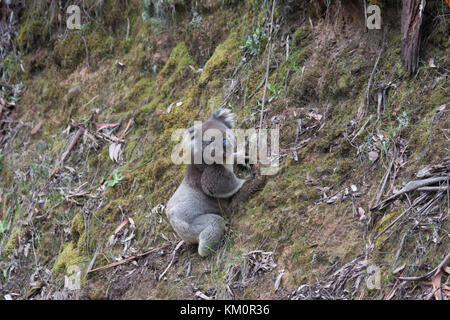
{"points": [[212, 140]]}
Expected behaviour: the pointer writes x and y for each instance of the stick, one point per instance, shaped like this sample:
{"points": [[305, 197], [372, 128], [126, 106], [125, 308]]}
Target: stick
{"points": [[87, 52], [90, 101], [362, 129], [365, 100], [373, 72], [3, 84], [269, 43], [118, 263], [443, 188], [69, 148], [411, 186], [433, 272], [171, 260], [385, 180]]}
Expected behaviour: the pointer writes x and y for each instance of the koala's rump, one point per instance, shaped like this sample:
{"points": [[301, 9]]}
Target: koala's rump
{"points": [[185, 205]]}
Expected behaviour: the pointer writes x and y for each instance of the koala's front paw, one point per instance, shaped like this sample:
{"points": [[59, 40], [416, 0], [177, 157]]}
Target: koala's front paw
{"points": [[247, 191]]}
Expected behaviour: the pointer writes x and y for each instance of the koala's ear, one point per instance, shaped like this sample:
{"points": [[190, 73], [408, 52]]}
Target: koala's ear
{"points": [[224, 115]]}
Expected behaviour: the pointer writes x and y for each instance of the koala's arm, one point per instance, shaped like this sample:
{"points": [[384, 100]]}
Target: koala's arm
{"points": [[218, 182]]}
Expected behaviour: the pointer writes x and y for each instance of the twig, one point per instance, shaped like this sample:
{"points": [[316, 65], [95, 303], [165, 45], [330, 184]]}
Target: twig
{"points": [[442, 188], [171, 260], [411, 186], [365, 15], [430, 274], [125, 131], [87, 52], [3, 84], [362, 128], [269, 44], [118, 263], [88, 103], [256, 90], [380, 193], [91, 264], [128, 29], [392, 223], [373, 72], [365, 100], [69, 148]]}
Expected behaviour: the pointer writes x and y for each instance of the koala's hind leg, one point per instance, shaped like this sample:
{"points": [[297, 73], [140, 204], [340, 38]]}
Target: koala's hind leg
{"points": [[210, 229]]}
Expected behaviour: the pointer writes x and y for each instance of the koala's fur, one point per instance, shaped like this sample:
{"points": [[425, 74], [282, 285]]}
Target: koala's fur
{"points": [[193, 210]]}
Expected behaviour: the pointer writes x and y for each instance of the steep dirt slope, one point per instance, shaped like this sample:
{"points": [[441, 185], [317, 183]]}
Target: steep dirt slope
{"points": [[355, 127]]}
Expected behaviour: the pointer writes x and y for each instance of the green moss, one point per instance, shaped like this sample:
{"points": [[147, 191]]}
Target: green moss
{"points": [[30, 34], [69, 52], [176, 69], [224, 54], [179, 59], [10, 68], [13, 241], [141, 92], [385, 221], [77, 230], [300, 35], [69, 256]]}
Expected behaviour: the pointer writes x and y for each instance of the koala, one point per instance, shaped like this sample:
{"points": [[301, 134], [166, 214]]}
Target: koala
{"points": [[193, 210]]}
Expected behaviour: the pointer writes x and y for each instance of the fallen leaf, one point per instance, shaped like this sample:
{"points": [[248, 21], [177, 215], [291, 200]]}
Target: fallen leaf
{"points": [[111, 240], [115, 150], [436, 283], [315, 116], [362, 213], [170, 108], [446, 290], [431, 63], [201, 295], [124, 222], [399, 269], [36, 128], [373, 156], [125, 131], [101, 126]]}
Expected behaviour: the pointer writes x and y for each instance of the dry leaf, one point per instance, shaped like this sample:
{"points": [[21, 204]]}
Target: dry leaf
{"points": [[431, 63], [124, 222], [373, 156], [36, 128], [115, 150], [125, 131], [436, 283], [315, 116], [399, 269], [203, 296], [111, 240], [446, 290], [101, 126], [362, 213]]}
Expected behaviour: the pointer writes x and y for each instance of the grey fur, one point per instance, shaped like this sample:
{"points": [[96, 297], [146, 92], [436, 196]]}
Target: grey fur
{"points": [[193, 210], [224, 115]]}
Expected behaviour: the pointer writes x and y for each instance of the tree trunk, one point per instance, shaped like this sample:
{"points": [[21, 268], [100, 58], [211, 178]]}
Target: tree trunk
{"points": [[412, 16]]}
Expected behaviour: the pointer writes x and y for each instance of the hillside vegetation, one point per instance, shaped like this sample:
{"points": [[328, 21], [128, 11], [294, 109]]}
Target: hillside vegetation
{"points": [[86, 122]]}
